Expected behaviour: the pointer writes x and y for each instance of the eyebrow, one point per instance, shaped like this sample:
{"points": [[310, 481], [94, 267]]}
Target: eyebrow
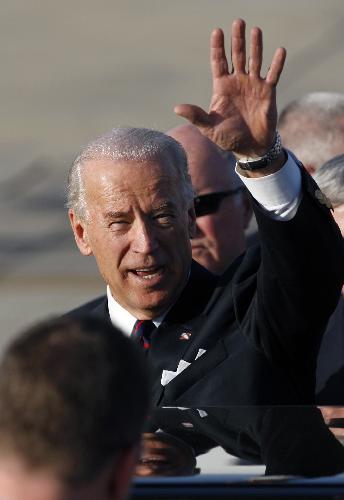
{"points": [[167, 204], [114, 215]]}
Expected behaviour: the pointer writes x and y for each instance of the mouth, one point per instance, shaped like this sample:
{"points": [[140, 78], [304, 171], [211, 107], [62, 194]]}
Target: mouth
{"points": [[148, 274]]}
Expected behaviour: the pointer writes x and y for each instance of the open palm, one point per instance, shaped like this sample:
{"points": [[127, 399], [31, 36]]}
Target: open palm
{"points": [[242, 114]]}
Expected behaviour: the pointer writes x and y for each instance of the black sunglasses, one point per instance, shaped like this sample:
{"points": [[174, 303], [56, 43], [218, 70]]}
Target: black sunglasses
{"points": [[207, 204]]}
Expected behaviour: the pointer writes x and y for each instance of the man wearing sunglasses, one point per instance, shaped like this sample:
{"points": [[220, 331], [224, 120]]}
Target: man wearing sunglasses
{"points": [[222, 205]]}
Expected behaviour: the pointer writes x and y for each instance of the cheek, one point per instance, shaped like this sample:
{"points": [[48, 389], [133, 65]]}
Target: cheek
{"points": [[180, 233], [99, 245], [208, 226], [107, 249], [180, 246]]}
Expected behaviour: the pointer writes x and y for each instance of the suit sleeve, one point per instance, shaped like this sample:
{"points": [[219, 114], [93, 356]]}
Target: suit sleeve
{"points": [[284, 306]]}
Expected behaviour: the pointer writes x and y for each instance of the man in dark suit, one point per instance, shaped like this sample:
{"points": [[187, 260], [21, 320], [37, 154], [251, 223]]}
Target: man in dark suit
{"points": [[249, 336]]}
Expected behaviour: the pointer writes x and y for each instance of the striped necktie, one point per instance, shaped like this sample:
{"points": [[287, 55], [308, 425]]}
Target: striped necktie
{"points": [[141, 332]]}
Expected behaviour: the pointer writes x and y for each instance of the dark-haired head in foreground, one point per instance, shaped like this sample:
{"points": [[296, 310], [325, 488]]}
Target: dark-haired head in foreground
{"points": [[73, 397]]}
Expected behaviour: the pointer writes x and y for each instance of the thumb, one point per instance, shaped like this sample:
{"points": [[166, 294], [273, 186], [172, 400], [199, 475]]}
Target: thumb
{"points": [[194, 114]]}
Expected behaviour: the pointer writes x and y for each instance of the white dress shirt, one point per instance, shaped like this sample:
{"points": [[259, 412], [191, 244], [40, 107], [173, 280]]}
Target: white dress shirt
{"points": [[278, 194]]}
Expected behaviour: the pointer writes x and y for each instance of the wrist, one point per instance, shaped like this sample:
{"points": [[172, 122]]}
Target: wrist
{"points": [[276, 165], [264, 160]]}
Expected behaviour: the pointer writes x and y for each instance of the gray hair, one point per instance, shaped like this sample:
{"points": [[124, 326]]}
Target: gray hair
{"points": [[313, 127], [127, 144], [330, 179]]}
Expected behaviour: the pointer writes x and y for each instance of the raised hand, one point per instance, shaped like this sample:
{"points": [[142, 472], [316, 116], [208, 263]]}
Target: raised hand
{"points": [[242, 114]]}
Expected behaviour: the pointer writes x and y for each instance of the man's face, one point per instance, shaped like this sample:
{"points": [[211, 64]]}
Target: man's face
{"points": [[220, 236], [138, 229]]}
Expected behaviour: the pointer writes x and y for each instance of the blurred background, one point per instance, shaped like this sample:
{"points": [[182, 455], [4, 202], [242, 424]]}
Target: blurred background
{"points": [[70, 70]]}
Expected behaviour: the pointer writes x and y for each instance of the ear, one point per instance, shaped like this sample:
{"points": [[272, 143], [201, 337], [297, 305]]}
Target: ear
{"points": [[121, 472], [191, 222], [80, 233]]}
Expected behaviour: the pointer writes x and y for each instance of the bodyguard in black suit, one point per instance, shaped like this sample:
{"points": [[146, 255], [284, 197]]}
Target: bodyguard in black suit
{"points": [[250, 336]]}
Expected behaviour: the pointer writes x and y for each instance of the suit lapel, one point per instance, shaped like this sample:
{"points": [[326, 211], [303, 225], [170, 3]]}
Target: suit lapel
{"points": [[216, 318], [174, 343], [194, 373], [195, 296], [171, 348]]}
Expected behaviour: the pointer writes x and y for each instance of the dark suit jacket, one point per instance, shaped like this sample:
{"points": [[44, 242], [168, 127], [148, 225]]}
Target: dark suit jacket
{"points": [[257, 324], [291, 440], [330, 369]]}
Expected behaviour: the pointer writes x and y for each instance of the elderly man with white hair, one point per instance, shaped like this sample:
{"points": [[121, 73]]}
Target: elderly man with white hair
{"points": [[248, 336]]}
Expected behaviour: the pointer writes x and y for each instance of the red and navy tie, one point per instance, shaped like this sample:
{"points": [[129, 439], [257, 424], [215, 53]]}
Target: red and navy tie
{"points": [[141, 332]]}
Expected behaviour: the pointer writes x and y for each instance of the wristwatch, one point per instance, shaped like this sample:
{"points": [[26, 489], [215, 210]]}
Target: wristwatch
{"points": [[262, 161]]}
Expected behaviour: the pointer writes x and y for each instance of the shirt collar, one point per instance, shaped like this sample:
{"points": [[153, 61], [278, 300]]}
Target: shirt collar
{"points": [[122, 319]]}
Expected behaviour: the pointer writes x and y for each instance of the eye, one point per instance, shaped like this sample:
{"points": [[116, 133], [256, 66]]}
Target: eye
{"points": [[165, 218], [118, 225]]}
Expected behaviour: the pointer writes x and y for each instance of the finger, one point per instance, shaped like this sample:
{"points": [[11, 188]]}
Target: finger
{"points": [[256, 52], [276, 67], [194, 114], [218, 59], [238, 46]]}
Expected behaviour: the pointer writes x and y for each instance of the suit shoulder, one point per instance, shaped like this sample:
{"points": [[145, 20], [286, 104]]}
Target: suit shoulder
{"points": [[243, 266], [95, 306]]}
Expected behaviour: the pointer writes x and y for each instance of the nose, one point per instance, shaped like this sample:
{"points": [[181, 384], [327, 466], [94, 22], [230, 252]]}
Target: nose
{"points": [[143, 238]]}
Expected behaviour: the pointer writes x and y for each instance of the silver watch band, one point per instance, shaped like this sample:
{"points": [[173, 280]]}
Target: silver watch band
{"points": [[265, 160]]}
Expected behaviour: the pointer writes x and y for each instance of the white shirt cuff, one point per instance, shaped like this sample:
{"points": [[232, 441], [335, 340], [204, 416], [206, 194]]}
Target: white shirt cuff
{"points": [[280, 193]]}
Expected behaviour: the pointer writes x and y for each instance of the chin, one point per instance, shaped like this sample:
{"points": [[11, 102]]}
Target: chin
{"points": [[156, 306], [204, 260]]}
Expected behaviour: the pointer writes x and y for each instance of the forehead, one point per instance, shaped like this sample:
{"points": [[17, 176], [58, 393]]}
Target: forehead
{"points": [[211, 173], [122, 180], [208, 169]]}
